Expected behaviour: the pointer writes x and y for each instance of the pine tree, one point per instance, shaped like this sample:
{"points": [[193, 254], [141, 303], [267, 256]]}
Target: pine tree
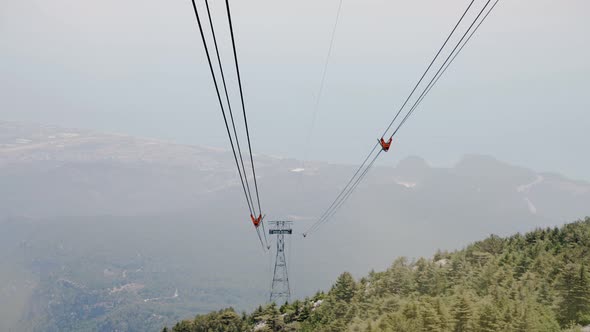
{"points": [[184, 326], [305, 313], [488, 319], [583, 296], [526, 321], [399, 279], [425, 277], [463, 314], [283, 309], [430, 320], [574, 286], [344, 288], [443, 314], [276, 323]]}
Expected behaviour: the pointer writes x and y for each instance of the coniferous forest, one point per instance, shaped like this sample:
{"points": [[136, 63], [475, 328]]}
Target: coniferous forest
{"points": [[538, 281]]}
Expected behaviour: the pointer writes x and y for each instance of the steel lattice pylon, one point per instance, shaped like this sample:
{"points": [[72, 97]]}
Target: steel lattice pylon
{"points": [[280, 291]]}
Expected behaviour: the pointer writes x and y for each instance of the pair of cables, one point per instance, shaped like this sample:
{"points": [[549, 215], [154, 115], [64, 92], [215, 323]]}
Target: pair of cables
{"points": [[253, 201], [374, 153]]}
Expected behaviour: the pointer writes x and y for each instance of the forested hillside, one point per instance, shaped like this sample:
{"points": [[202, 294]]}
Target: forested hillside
{"points": [[539, 281]]}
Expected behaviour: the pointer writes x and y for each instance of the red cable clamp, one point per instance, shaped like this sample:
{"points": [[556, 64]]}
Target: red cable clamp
{"points": [[385, 145], [256, 221]]}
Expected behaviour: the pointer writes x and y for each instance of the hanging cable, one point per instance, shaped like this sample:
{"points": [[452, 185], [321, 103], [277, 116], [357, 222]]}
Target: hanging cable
{"points": [[434, 78], [243, 177], [259, 237], [347, 191], [457, 53], [233, 41], [345, 197], [343, 191], [353, 188], [428, 68], [352, 179], [322, 82], [220, 102], [231, 115]]}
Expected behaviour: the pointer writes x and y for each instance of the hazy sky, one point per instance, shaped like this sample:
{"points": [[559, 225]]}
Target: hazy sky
{"points": [[518, 92]]}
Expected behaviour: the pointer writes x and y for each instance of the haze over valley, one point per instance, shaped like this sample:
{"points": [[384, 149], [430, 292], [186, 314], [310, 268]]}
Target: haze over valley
{"points": [[131, 233]]}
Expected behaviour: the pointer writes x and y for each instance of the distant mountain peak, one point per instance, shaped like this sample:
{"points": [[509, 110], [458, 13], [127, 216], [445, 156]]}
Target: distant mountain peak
{"points": [[486, 166], [413, 162]]}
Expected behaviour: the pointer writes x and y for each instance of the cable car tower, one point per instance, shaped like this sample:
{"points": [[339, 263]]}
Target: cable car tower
{"points": [[280, 291]]}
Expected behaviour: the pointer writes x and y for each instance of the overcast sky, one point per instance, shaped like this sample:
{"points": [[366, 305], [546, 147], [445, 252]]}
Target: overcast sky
{"points": [[518, 92]]}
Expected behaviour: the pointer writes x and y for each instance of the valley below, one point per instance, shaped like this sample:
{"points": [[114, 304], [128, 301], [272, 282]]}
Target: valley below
{"points": [[109, 232]]}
